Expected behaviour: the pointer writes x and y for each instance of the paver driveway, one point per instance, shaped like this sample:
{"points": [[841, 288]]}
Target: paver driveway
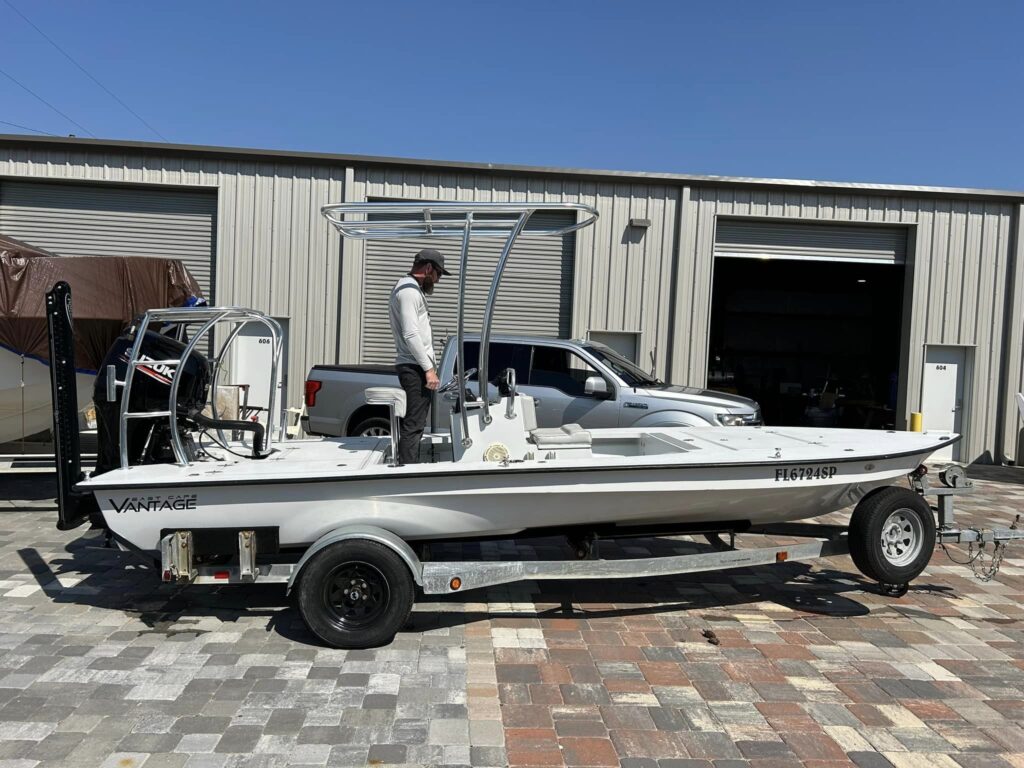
{"points": [[101, 665]]}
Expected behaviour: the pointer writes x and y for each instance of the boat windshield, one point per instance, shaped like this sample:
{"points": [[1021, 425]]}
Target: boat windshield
{"points": [[627, 371]]}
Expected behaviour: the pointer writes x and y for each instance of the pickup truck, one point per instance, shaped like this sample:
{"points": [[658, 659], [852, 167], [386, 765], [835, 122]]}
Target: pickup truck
{"points": [[571, 382]]}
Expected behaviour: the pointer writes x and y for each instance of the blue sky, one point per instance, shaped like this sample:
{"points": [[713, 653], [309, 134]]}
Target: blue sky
{"points": [[892, 92]]}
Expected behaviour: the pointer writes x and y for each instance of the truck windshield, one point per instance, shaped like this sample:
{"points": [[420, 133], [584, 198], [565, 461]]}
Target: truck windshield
{"points": [[624, 369]]}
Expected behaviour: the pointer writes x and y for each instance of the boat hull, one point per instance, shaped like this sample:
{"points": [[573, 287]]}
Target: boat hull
{"points": [[26, 405], [494, 501]]}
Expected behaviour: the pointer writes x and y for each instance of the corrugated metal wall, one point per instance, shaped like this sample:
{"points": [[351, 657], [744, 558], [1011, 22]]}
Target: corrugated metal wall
{"points": [[623, 274], [275, 252], [108, 220], [535, 296], [958, 262], [1013, 423]]}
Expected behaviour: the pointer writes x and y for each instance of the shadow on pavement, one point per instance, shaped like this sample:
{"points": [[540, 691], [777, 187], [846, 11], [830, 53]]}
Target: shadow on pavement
{"points": [[107, 578], [995, 473], [28, 486]]}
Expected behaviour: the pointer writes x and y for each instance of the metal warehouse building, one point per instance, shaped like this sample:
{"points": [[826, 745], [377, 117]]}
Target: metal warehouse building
{"points": [[901, 298]]}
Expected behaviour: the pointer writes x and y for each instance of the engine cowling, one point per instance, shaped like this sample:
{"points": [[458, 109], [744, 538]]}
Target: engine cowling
{"points": [[149, 438]]}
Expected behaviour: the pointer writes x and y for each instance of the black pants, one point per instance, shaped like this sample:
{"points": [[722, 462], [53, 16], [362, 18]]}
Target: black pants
{"points": [[417, 404]]}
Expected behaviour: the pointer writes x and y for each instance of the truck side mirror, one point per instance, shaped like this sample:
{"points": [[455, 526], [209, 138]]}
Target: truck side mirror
{"points": [[596, 386]]}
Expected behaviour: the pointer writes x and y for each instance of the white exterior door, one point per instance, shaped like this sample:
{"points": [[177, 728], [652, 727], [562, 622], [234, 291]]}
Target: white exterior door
{"points": [[942, 398], [253, 352]]}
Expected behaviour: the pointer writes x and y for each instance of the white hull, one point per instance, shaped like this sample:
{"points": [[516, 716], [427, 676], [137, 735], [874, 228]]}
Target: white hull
{"points": [[27, 410], [726, 476]]}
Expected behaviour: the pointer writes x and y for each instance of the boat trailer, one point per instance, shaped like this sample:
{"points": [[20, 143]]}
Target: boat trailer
{"points": [[178, 563]]}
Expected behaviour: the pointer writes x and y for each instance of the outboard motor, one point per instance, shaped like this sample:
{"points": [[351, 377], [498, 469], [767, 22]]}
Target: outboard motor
{"points": [[149, 438]]}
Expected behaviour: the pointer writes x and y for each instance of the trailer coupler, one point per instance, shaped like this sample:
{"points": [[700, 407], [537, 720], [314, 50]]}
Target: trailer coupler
{"points": [[984, 562]]}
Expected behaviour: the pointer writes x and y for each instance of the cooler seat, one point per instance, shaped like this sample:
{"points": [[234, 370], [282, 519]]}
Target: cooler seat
{"points": [[561, 438]]}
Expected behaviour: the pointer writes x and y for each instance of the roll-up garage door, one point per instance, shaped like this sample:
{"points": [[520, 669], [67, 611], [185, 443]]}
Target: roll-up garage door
{"points": [[535, 296], [814, 242], [99, 220]]}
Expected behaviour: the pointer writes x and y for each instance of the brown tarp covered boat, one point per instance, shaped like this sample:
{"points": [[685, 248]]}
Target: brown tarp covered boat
{"points": [[107, 293]]}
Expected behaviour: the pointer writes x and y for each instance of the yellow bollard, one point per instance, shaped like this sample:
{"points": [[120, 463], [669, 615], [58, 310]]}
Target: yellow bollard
{"points": [[916, 422]]}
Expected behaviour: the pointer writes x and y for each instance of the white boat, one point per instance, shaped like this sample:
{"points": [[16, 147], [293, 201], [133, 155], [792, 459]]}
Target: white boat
{"points": [[187, 485], [712, 479], [25, 403], [110, 291], [25, 400]]}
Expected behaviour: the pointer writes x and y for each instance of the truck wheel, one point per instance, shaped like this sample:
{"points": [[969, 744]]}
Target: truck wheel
{"points": [[355, 594], [375, 426], [892, 536]]}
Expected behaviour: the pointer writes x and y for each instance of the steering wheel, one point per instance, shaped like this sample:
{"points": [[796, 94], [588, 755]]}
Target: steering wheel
{"points": [[453, 382]]}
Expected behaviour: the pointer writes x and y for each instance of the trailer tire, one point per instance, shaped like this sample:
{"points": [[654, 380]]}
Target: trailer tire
{"points": [[375, 426], [355, 594], [892, 535]]}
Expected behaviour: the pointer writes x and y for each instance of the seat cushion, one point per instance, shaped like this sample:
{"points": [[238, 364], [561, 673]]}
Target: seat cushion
{"points": [[393, 397], [569, 436]]}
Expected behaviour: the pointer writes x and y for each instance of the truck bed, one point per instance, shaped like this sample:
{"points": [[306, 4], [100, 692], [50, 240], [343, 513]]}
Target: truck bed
{"points": [[382, 369]]}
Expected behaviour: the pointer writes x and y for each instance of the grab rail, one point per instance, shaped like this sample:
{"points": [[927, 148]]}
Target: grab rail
{"points": [[210, 317]]}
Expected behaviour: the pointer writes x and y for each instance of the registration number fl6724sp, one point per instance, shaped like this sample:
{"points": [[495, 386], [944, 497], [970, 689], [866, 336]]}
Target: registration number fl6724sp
{"points": [[795, 474]]}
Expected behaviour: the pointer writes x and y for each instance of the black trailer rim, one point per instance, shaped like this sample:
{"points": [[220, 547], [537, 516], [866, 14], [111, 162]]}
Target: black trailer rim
{"points": [[355, 595]]}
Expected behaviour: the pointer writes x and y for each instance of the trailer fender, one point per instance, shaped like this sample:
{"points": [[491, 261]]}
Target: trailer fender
{"points": [[368, 533]]}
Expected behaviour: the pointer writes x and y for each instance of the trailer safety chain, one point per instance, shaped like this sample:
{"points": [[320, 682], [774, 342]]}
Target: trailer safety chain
{"points": [[975, 556]]}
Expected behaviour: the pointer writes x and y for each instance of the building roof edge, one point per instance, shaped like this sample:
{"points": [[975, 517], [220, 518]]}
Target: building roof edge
{"points": [[645, 177]]}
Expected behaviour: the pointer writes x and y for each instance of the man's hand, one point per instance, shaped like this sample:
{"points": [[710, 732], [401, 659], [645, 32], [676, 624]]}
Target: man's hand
{"points": [[432, 381]]}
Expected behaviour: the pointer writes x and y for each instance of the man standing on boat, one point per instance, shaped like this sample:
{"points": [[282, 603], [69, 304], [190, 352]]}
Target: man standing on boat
{"points": [[415, 361]]}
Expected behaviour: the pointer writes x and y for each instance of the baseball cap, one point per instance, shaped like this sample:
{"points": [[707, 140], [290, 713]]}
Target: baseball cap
{"points": [[434, 257]]}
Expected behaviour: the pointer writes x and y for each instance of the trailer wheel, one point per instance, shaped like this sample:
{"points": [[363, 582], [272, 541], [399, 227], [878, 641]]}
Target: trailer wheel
{"points": [[355, 594], [892, 536]]}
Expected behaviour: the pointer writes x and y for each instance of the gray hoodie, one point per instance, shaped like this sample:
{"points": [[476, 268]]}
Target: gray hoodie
{"points": [[410, 325]]}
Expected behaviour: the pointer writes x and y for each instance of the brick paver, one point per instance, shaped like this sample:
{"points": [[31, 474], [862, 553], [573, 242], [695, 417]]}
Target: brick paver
{"points": [[100, 664]]}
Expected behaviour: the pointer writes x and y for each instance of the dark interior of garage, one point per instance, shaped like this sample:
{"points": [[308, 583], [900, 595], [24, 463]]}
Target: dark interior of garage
{"points": [[816, 343]]}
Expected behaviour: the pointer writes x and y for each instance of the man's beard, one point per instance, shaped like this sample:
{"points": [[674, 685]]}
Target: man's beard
{"points": [[428, 285]]}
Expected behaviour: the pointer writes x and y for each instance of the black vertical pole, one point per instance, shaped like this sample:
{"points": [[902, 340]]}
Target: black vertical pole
{"points": [[64, 391]]}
